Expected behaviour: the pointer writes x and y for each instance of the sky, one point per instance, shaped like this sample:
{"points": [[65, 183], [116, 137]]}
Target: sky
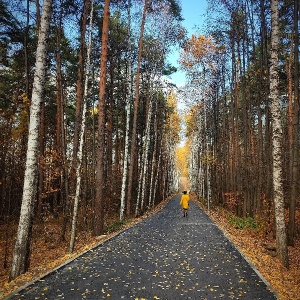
{"points": [[193, 12]]}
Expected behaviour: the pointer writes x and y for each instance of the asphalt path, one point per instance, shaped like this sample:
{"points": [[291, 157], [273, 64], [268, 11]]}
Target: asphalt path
{"points": [[166, 256]]}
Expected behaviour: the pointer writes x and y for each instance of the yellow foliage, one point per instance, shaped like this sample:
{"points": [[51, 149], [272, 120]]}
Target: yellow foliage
{"points": [[174, 120], [190, 118], [94, 111], [22, 118], [182, 161]]}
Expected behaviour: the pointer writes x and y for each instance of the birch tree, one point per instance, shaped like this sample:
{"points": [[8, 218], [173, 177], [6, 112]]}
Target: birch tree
{"points": [[281, 239], [78, 112], [128, 110], [153, 164], [142, 179], [21, 253], [81, 137]]}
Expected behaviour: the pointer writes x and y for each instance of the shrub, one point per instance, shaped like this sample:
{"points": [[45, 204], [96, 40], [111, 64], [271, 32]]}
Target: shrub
{"points": [[245, 223]]}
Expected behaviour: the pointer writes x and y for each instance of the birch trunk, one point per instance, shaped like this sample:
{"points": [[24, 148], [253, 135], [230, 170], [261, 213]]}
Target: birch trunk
{"points": [[157, 176], [153, 165], [78, 114], [128, 111], [281, 239], [144, 161], [20, 259], [126, 158], [81, 137]]}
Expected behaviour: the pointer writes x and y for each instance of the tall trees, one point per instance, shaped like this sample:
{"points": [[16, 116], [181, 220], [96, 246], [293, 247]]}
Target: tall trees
{"points": [[250, 102], [82, 132], [20, 261], [200, 58], [161, 30], [106, 117], [78, 111]]}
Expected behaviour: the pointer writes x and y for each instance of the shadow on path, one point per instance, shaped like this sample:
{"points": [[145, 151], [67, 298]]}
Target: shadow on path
{"points": [[166, 256]]}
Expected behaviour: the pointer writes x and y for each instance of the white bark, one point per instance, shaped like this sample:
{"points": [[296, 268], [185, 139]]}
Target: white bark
{"points": [[81, 138], [138, 201], [128, 110], [281, 239], [22, 245], [207, 157], [153, 167], [126, 157], [156, 178], [145, 154]]}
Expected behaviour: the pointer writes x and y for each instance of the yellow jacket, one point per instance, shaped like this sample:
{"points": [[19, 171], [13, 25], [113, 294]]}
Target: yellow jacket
{"points": [[184, 202]]}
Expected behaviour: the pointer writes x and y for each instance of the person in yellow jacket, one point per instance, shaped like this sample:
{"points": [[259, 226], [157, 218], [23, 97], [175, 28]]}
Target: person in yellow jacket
{"points": [[184, 202]]}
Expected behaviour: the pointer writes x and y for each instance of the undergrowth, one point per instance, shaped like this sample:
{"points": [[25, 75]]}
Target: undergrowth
{"points": [[245, 223], [114, 226]]}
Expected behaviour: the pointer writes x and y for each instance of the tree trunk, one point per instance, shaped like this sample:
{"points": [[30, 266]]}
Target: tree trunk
{"points": [[128, 111], [100, 180], [79, 87], [38, 13], [26, 36], [20, 259], [41, 155], [153, 163], [60, 123], [78, 113], [81, 136], [281, 240], [144, 157], [109, 144], [136, 105], [295, 146]]}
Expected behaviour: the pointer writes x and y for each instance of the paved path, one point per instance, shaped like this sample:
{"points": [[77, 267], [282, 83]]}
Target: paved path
{"points": [[166, 256]]}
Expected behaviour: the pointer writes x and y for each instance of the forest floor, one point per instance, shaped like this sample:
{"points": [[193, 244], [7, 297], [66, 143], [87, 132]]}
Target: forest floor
{"points": [[49, 252]]}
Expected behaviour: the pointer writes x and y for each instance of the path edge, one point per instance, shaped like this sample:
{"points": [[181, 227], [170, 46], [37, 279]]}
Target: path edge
{"points": [[140, 219], [252, 265]]}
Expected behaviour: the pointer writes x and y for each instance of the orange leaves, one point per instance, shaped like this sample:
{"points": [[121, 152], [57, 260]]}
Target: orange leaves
{"points": [[201, 46], [200, 50]]}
